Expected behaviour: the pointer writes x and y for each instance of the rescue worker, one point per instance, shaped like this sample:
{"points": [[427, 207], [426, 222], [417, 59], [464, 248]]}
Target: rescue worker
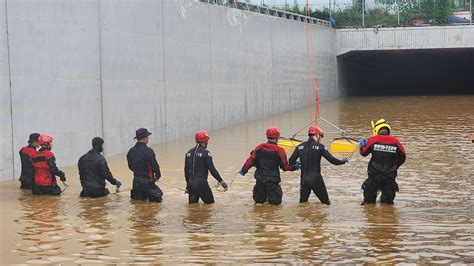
{"points": [[27, 170], [46, 170], [388, 155], [197, 165], [310, 153], [268, 158], [146, 171], [93, 171]]}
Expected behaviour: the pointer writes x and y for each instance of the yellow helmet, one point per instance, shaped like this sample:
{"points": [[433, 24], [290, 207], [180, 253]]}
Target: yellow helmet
{"points": [[379, 124]]}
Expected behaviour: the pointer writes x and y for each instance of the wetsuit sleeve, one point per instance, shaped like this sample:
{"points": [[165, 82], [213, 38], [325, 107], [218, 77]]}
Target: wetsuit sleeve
{"points": [[250, 161], [283, 161], [104, 169], [294, 156], [24, 158], [129, 162], [54, 169], [186, 168], [328, 156], [154, 164], [367, 148], [212, 168], [401, 154]]}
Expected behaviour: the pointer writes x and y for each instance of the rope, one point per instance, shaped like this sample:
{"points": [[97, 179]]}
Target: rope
{"points": [[159, 181], [118, 190], [297, 132], [218, 188], [171, 186], [331, 124], [67, 186], [311, 66]]}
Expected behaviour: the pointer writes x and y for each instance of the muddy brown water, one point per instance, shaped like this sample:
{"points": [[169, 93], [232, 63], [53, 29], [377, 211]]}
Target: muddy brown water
{"points": [[431, 221]]}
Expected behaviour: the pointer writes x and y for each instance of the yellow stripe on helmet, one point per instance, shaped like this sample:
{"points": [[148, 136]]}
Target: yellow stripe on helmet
{"points": [[379, 124]]}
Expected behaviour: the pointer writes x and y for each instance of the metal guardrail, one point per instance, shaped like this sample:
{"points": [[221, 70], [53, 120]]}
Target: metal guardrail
{"points": [[268, 11]]}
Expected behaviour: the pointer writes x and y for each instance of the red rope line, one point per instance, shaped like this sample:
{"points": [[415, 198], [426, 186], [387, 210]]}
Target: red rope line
{"points": [[311, 68]]}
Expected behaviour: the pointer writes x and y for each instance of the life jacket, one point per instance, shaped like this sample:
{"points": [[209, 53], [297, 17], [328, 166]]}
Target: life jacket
{"points": [[43, 175], [30, 151], [27, 168]]}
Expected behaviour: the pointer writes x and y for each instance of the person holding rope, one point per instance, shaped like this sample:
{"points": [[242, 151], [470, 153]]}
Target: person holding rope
{"points": [[146, 171], [197, 165], [388, 154], [46, 170], [310, 153], [268, 158], [27, 175], [93, 171]]}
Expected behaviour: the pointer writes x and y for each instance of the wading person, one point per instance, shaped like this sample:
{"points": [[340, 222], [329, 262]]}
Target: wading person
{"points": [[310, 153], [197, 165], [388, 155], [46, 170], [27, 170], [93, 171], [268, 158], [146, 171]]}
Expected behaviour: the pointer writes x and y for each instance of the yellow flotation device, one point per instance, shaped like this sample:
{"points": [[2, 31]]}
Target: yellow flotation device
{"points": [[343, 145], [288, 144]]}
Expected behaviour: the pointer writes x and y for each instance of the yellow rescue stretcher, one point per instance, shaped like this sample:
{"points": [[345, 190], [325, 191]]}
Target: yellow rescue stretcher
{"points": [[338, 145], [343, 145], [288, 144]]}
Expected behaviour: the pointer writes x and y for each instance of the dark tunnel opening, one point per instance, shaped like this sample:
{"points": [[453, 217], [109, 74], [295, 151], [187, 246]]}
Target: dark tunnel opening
{"points": [[407, 72]]}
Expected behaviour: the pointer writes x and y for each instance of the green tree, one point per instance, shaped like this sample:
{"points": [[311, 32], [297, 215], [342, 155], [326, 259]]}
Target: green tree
{"points": [[321, 14]]}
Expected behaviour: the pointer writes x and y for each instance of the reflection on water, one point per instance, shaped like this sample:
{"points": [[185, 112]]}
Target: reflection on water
{"points": [[42, 225], [268, 234], [312, 231], [95, 215], [431, 221], [145, 228], [381, 229]]}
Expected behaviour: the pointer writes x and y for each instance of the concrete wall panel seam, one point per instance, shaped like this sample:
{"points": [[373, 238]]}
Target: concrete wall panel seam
{"points": [[9, 85], [100, 73]]}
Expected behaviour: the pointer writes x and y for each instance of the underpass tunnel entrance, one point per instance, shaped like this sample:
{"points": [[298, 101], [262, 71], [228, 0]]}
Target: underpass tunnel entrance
{"points": [[407, 72]]}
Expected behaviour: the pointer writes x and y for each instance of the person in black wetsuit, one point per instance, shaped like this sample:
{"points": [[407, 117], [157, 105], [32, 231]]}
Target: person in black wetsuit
{"points": [[388, 154], [310, 153], [268, 158], [93, 171], [146, 171], [197, 165], [27, 175]]}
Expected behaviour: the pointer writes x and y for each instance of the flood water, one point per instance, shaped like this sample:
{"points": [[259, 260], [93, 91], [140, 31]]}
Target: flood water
{"points": [[431, 221]]}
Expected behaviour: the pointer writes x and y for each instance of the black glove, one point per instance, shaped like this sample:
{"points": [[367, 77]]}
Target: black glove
{"points": [[345, 160], [224, 185], [62, 177]]}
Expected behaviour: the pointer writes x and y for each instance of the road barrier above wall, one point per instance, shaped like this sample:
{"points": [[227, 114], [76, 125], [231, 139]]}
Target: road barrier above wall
{"points": [[268, 11]]}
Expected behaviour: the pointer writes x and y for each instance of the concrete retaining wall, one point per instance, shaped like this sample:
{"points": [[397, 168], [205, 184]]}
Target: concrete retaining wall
{"points": [[6, 159], [85, 68]]}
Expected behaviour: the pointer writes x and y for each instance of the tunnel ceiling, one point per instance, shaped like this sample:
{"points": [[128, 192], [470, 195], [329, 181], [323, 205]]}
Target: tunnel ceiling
{"points": [[407, 72]]}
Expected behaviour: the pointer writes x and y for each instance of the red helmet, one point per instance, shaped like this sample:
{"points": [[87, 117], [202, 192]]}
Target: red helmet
{"points": [[273, 133], [315, 130], [202, 136], [44, 138]]}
